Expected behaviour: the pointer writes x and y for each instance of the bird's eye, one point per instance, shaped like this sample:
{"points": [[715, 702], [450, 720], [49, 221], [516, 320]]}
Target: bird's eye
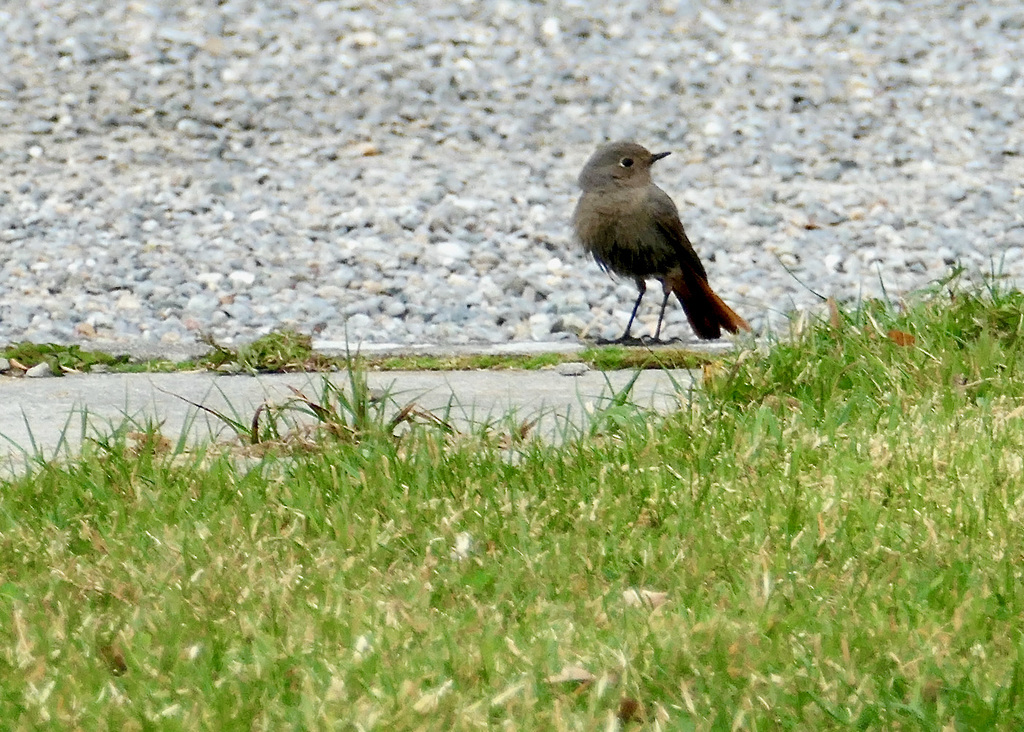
{"points": [[626, 162]]}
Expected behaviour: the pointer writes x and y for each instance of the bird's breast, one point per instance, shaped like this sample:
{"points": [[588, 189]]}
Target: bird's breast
{"points": [[618, 229]]}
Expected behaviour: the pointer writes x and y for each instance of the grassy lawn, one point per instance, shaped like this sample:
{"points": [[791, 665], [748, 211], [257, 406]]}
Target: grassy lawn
{"points": [[828, 536]]}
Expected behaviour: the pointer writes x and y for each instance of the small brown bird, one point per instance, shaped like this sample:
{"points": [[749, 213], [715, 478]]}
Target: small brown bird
{"points": [[632, 229]]}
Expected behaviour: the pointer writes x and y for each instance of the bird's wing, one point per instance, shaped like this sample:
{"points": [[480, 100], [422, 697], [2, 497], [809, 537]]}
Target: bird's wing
{"points": [[666, 217]]}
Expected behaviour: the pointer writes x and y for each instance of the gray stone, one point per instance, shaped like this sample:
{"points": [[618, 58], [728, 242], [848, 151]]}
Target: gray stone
{"points": [[41, 370], [572, 368]]}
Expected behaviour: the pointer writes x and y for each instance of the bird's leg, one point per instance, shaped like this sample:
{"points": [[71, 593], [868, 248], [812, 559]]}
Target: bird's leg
{"points": [[641, 285], [661, 315], [625, 339]]}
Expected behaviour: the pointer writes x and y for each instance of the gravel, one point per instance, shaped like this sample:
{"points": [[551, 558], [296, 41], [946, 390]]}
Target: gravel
{"points": [[405, 172]]}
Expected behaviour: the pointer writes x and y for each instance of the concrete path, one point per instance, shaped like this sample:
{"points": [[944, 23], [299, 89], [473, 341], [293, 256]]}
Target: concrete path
{"points": [[36, 415]]}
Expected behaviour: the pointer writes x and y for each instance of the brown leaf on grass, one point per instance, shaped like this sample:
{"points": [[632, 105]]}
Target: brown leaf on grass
{"points": [[148, 443], [629, 710], [113, 656], [901, 337], [571, 673], [833, 313]]}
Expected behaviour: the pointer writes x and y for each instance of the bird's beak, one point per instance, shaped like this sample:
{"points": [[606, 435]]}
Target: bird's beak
{"points": [[658, 156]]}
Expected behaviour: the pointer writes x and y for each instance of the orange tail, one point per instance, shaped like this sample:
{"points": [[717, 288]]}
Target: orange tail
{"points": [[705, 310]]}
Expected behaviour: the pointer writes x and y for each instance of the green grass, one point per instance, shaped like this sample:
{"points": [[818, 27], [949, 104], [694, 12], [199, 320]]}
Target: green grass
{"points": [[829, 536], [606, 358], [60, 358], [289, 351]]}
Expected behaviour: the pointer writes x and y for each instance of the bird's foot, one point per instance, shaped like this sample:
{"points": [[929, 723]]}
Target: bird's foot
{"points": [[624, 340]]}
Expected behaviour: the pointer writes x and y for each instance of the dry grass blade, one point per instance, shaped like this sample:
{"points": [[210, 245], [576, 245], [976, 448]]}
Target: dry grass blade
{"points": [[410, 410], [239, 427], [255, 426], [571, 674], [525, 427], [833, 313], [403, 414], [319, 411], [517, 436]]}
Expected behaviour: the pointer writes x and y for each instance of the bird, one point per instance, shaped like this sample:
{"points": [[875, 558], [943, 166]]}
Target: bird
{"points": [[632, 229]]}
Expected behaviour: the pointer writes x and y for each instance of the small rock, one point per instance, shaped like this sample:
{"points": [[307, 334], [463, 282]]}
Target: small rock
{"points": [[39, 371], [572, 368], [784, 165], [954, 192], [359, 322], [128, 301], [210, 280], [451, 251], [763, 217], [830, 173], [540, 326]]}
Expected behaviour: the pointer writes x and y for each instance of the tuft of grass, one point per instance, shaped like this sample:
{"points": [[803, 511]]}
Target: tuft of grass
{"points": [[610, 358], [356, 413], [59, 357], [949, 340], [280, 351]]}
